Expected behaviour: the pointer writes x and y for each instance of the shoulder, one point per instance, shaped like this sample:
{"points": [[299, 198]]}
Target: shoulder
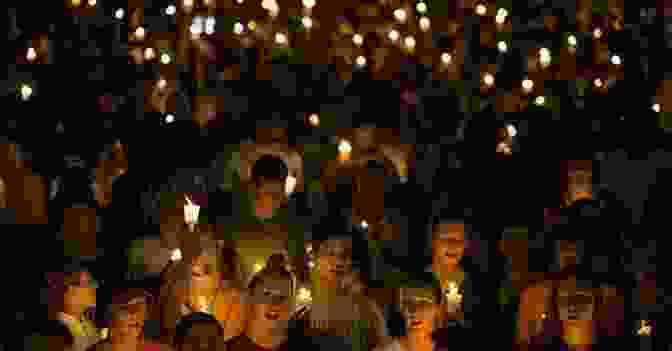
{"points": [[390, 346], [154, 346]]}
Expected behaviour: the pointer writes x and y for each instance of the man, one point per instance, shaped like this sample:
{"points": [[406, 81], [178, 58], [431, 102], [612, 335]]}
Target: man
{"points": [[271, 303], [335, 312], [71, 293]]}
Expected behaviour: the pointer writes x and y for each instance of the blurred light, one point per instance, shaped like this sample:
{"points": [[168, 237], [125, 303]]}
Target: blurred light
{"points": [[240, 1], [196, 26], [616, 60], [344, 146], [393, 35], [421, 7], [400, 15], [188, 3], [424, 24], [528, 85], [488, 79], [358, 39], [309, 4], [656, 107], [364, 225], [571, 40], [140, 33], [26, 92], [314, 120], [165, 59], [170, 10], [410, 42], [290, 185], [311, 264], [597, 33], [31, 54], [502, 12], [210, 25], [258, 267], [207, 2], [361, 61], [544, 316], [92, 2], [104, 332], [502, 47], [540, 100], [598, 82], [149, 54], [170, 118], [307, 22], [119, 14], [511, 130], [252, 25], [238, 28], [446, 58], [76, 2], [481, 9], [544, 57], [644, 328], [280, 38], [162, 83], [303, 295], [176, 255]]}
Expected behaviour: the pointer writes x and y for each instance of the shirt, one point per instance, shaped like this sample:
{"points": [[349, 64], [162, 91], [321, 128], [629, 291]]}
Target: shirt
{"points": [[244, 343]]}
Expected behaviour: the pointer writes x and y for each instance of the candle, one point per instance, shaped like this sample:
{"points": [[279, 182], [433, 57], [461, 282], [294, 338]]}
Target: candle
{"points": [[453, 297], [191, 211], [344, 150]]}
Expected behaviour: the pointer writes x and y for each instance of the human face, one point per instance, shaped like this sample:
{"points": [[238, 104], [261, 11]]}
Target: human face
{"points": [[419, 308], [202, 337], [80, 295], [271, 300], [448, 244], [334, 259], [576, 309], [580, 185], [204, 271], [128, 320], [270, 193]]}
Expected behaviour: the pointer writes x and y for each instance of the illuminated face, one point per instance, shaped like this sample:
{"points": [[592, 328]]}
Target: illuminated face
{"points": [[270, 193], [334, 259], [580, 185], [128, 320], [202, 337], [576, 309], [419, 308], [80, 295], [203, 268], [448, 244], [272, 299]]}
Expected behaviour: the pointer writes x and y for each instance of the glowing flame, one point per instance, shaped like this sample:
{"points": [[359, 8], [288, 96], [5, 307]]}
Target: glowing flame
{"points": [[190, 211], [176, 255]]}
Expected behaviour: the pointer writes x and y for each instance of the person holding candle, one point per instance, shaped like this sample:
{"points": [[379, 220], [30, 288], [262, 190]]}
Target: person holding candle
{"points": [[334, 311], [202, 283], [126, 314], [71, 293], [419, 298], [271, 303]]}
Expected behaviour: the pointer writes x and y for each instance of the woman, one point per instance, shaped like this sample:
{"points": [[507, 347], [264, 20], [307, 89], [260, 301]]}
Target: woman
{"points": [[419, 301], [203, 283], [199, 331], [126, 315]]}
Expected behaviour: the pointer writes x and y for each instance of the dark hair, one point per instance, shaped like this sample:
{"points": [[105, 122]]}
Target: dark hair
{"points": [[273, 269], [187, 322], [269, 167]]}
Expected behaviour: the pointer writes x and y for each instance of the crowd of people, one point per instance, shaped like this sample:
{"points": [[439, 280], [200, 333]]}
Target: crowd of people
{"points": [[263, 263]]}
